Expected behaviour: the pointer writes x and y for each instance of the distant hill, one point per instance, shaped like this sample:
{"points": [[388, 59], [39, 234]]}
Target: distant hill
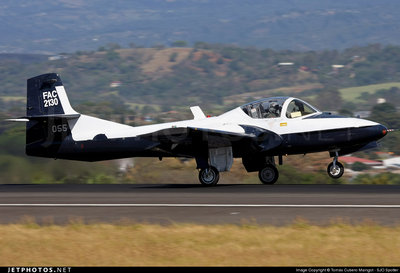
{"points": [[218, 77], [56, 26], [23, 58]]}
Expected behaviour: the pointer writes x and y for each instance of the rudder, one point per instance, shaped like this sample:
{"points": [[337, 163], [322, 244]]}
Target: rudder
{"points": [[48, 111], [46, 96]]}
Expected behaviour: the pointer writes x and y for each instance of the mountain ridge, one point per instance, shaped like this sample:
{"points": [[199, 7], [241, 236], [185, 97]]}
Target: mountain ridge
{"points": [[55, 26]]}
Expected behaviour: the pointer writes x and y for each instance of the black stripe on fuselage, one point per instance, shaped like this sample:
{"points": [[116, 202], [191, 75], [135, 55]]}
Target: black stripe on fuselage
{"points": [[327, 140], [106, 149], [101, 148]]}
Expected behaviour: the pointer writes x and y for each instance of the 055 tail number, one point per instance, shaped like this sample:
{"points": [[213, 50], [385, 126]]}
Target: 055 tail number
{"points": [[59, 128]]}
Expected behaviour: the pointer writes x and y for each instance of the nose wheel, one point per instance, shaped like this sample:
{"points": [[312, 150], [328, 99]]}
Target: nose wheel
{"points": [[335, 169]]}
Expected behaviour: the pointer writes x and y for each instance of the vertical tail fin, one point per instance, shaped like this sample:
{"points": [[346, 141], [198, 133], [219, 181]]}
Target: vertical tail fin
{"points": [[46, 96], [48, 111]]}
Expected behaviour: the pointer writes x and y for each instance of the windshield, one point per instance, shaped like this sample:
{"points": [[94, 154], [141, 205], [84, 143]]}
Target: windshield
{"points": [[298, 108], [266, 108]]}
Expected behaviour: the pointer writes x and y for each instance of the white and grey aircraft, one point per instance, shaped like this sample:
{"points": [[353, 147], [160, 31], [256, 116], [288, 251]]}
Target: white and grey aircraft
{"points": [[257, 132]]}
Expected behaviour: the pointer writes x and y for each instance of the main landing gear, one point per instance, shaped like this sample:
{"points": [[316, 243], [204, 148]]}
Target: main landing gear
{"points": [[265, 166], [268, 175], [209, 176], [335, 168]]}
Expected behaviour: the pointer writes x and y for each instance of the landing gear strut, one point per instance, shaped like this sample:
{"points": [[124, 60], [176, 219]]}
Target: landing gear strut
{"points": [[335, 168], [209, 176], [265, 166]]}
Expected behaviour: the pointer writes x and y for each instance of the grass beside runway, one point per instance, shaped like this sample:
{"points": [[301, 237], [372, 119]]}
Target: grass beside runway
{"points": [[127, 244]]}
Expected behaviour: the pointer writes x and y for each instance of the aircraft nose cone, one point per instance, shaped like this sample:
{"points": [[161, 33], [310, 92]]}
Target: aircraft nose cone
{"points": [[380, 130], [369, 133]]}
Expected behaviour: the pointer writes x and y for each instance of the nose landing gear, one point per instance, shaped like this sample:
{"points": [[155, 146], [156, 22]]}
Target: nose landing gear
{"points": [[335, 168]]}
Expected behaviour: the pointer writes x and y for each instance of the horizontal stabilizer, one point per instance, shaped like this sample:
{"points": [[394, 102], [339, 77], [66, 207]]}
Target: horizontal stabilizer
{"points": [[26, 119], [66, 116], [17, 119]]}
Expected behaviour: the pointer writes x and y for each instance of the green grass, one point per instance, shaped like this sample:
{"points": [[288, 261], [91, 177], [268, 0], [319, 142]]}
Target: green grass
{"points": [[249, 244], [352, 93]]}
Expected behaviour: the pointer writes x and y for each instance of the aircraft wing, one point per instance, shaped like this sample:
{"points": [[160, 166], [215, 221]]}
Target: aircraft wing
{"points": [[252, 139]]}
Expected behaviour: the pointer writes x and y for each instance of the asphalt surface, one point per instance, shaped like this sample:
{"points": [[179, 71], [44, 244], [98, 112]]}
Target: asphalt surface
{"points": [[222, 204]]}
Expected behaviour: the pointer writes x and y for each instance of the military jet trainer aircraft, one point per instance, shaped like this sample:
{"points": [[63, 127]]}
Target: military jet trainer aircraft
{"points": [[257, 132]]}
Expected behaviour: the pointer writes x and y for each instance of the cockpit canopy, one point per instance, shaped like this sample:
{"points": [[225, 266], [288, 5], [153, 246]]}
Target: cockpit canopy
{"points": [[277, 107]]}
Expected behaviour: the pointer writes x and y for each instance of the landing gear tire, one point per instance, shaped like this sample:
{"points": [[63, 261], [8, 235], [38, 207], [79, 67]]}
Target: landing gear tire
{"points": [[209, 176], [335, 171], [268, 175]]}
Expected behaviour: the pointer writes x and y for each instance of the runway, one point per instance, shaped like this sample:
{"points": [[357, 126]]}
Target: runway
{"points": [[193, 203]]}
